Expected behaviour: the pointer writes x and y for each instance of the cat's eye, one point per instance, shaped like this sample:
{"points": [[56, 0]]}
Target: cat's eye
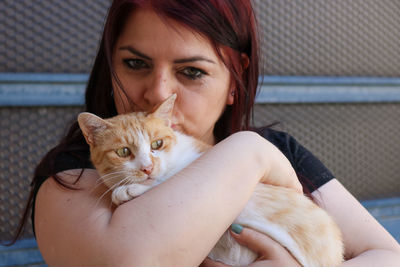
{"points": [[157, 144], [123, 152]]}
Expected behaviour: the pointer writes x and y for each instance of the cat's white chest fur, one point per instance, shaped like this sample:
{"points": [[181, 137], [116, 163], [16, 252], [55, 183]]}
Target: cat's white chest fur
{"points": [[184, 152]]}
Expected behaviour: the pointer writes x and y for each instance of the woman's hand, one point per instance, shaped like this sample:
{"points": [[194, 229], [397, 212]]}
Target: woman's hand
{"points": [[269, 251]]}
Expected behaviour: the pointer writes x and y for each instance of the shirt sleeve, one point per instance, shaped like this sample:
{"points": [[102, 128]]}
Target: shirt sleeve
{"points": [[311, 172]]}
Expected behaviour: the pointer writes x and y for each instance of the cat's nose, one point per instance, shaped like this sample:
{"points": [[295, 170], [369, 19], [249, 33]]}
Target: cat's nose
{"points": [[147, 169]]}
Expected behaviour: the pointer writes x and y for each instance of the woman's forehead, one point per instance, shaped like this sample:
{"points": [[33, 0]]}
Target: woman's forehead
{"points": [[146, 31]]}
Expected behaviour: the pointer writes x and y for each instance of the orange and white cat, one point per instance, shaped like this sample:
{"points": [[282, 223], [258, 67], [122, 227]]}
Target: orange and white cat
{"points": [[137, 151]]}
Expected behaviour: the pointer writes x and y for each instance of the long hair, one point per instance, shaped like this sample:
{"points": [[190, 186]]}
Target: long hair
{"points": [[228, 24]]}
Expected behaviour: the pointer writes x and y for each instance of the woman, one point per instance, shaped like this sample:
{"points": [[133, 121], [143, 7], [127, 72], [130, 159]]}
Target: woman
{"points": [[207, 53]]}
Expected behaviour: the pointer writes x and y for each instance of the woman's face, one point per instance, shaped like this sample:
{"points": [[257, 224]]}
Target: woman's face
{"points": [[154, 59]]}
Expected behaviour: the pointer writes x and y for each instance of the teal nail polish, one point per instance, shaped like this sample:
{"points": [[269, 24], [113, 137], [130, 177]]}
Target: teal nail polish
{"points": [[236, 228]]}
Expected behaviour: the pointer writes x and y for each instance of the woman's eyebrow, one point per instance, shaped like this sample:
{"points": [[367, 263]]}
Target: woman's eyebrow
{"points": [[134, 51], [179, 61], [194, 58]]}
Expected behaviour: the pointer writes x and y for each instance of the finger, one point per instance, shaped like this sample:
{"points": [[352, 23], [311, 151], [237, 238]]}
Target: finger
{"points": [[210, 263], [260, 243]]}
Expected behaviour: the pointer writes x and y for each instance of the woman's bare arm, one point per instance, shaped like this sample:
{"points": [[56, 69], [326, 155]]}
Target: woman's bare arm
{"points": [[367, 243], [175, 223]]}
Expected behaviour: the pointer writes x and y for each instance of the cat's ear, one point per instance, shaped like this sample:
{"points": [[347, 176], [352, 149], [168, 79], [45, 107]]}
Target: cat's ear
{"points": [[164, 110], [89, 124]]}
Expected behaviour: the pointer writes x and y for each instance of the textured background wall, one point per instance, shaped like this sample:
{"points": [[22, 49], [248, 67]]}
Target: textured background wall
{"points": [[50, 36], [26, 134], [359, 143], [334, 38]]}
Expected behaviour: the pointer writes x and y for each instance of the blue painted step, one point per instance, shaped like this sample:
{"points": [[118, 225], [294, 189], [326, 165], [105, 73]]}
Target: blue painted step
{"points": [[22, 253]]}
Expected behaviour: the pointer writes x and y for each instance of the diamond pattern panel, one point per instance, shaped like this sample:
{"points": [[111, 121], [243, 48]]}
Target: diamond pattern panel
{"points": [[359, 143], [319, 38], [50, 35], [330, 38], [26, 135]]}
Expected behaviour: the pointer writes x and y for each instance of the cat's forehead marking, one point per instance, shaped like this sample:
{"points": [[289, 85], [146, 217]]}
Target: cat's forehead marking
{"points": [[131, 131], [141, 138], [136, 130]]}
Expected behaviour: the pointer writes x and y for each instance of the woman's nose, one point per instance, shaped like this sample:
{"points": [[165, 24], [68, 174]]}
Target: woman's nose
{"points": [[159, 87]]}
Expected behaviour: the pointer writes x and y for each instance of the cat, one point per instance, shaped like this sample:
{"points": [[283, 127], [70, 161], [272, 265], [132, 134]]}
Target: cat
{"points": [[137, 151]]}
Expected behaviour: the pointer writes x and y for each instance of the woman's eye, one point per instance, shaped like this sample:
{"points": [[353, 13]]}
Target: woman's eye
{"points": [[123, 152], [193, 73], [135, 64], [155, 145]]}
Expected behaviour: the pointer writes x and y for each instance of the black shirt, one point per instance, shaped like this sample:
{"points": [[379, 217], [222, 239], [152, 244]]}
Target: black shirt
{"points": [[310, 171]]}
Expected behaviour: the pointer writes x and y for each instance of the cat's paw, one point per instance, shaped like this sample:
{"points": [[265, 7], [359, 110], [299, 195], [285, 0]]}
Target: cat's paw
{"points": [[120, 195], [125, 193], [136, 190]]}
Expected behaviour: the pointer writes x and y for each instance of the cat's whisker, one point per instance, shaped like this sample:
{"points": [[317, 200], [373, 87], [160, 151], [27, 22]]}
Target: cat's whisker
{"points": [[112, 173], [100, 198], [118, 184], [123, 182], [110, 176], [107, 177], [105, 193], [110, 189], [127, 180]]}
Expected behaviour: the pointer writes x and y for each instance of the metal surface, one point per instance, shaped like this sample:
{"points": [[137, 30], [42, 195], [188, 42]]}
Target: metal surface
{"points": [[359, 143], [26, 134], [330, 38], [319, 38], [50, 36]]}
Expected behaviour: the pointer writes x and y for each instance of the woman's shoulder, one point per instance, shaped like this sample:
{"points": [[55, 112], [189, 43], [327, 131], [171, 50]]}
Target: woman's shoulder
{"points": [[57, 222]]}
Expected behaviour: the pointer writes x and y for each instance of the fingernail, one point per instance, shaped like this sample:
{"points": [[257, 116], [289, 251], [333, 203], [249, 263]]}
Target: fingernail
{"points": [[236, 228]]}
